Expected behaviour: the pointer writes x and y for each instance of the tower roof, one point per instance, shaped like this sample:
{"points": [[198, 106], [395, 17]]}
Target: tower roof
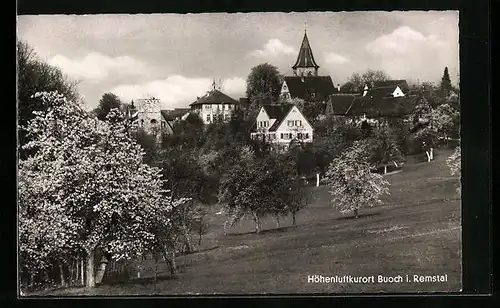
{"points": [[305, 57]]}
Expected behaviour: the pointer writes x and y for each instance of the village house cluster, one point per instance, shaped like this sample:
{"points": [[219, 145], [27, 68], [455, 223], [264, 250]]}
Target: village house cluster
{"points": [[280, 123]]}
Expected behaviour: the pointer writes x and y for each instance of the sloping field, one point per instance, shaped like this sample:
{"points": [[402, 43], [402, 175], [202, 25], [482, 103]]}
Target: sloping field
{"points": [[416, 232]]}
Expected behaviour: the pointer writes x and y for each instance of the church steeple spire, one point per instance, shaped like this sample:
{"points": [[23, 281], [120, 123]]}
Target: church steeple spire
{"points": [[305, 64]]}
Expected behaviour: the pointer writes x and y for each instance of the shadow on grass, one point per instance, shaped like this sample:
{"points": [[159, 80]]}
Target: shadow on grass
{"points": [[359, 216], [197, 251], [265, 231], [143, 280]]}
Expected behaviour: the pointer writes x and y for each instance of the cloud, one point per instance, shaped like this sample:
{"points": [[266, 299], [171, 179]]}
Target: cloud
{"points": [[334, 58], [405, 52], [234, 85], [96, 66], [273, 47], [399, 42], [177, 90]]}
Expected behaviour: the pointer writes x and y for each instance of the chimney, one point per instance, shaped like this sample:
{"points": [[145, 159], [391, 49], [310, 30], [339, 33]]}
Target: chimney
{"points": [[338, 87], [366, 90]]}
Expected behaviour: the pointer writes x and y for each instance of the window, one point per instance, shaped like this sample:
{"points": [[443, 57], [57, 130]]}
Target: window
{"points": [[142, 122], [299, 135], [298, 123], [282, 136], [208, 118], [207, 107], [163, 124], [290, 123], [153, 121], [307, 135], [227, 107]]}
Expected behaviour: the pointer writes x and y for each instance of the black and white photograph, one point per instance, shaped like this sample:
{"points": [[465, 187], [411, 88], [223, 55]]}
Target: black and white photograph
{"points": [[259, 153]]}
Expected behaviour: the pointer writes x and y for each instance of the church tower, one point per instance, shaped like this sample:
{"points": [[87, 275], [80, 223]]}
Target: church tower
{"points": [[305, 64]]}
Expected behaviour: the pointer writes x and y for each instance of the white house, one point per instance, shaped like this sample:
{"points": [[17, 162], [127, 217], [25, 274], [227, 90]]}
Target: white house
{"points": [[280, 124], [214, 105]]}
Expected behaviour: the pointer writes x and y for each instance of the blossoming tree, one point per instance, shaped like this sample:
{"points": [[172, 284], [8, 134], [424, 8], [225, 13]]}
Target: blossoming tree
{"points": [[353, 185], [85, 190]]}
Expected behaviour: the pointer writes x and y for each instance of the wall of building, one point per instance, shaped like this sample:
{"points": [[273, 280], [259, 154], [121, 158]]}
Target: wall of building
{"points": [[208, 112], [149, 114]]}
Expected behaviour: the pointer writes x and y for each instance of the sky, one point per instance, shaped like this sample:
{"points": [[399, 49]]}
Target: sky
{"points": [[175, 57]]}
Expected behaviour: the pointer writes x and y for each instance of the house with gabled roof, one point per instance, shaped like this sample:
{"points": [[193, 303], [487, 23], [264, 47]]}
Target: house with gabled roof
{"points": [[371, 109], [387, 88], [214, 105], [280, 124]]}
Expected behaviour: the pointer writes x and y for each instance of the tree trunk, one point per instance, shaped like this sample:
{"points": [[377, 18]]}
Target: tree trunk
{"points": [[102, 269], [77, 271], [432, 154], [61, 274], [257, 223], [156, 271], [293, 218], [72, 272], [187, 239], [169, 263], [82, 272], [317, 179], [385, 169], [200, 233], [174, 264], [356, 213], [90, 269], [277, 221], [32, 279], [428, 156]]}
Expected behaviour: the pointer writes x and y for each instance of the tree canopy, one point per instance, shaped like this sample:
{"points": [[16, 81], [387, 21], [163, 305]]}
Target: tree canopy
{"points": [[357, 81], [107, 102], [264, 81], [353, 185], [86, 188], [35, 75]]}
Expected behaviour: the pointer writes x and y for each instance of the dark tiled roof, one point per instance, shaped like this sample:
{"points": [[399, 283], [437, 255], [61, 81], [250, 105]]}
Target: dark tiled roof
{"points": [[278, 112], [170, 115], [381, 92], [340, 103], [382, 107], [302, 87], [393, 83], [215, 97], [305, 57]]}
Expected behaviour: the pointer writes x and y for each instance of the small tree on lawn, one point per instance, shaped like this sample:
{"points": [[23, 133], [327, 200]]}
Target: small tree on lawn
{"points": [[383, 147], [353, 185]]}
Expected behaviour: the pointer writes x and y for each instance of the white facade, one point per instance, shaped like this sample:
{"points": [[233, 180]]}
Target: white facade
{"points": [[293, 126], [209, 112], [285, 91], [398, 92]]}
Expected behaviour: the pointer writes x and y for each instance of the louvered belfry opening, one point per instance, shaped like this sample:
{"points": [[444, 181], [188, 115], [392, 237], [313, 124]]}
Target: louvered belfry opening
{"points": [[305, 64]]}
